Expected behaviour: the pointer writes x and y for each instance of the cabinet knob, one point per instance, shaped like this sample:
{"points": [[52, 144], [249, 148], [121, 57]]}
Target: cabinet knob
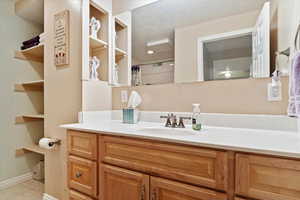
{"points": [[78, 174]]}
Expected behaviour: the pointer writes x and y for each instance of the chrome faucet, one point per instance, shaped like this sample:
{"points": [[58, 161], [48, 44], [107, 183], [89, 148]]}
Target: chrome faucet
{"points": [[172, 121]]}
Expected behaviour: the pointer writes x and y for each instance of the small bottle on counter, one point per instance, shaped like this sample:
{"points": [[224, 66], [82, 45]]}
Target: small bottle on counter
{"points": [[196, 118]]}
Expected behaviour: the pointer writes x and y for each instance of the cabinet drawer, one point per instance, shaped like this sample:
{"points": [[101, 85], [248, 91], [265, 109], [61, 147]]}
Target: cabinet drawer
{"points": [[187, 164], [267, 178], [83, 175], [163, 189], [73, 195], [82, 144]]}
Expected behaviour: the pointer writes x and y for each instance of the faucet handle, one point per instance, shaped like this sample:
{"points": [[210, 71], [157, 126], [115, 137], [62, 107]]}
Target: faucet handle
{"points": [[181, 123], [168, 122]]}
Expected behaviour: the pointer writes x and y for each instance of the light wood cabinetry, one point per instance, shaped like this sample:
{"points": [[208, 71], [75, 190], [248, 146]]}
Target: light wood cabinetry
{"points": [[78, 196], [267, 178], [82, 175], [120, 184], [136, 169], [83, 145], [197, 166], [162, 189]]}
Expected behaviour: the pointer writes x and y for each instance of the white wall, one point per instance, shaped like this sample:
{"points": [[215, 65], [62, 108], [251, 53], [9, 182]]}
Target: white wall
{"points": [[14, 30], [120, 6]]}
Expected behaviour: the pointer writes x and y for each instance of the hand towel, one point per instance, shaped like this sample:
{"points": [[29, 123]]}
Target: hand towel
{"points": [[29, 45], [294, 90], [31, 41], [297, 83]]}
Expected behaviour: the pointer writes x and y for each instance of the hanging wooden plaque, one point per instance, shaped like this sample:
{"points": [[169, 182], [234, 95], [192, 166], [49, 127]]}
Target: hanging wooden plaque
{"points": [[61, 38]]}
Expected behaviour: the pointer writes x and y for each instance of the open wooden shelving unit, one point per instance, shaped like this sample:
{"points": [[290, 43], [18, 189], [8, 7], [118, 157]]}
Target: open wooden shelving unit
{"points": [[35, 54], [33, 11], [30, 149], [99, 46], [29, 118], [120, 51], [97, 43], [30, 86]]}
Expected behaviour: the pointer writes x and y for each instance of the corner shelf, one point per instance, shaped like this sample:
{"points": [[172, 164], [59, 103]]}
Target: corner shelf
{"points": [[120, 52], [30, 149], [119, 24], [30, 86], [29, 118], [96, 43], [35, 53]]}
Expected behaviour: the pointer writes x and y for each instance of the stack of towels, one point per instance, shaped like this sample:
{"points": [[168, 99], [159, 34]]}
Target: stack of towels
{"points": [[33, 41]]}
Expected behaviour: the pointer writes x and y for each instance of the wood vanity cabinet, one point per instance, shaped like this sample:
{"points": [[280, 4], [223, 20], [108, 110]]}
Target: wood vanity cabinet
{"points": [[267, 178], [198, 166], [163, 189], [78, 196], [121, 184], [102, 167], [83, 144], [82, 175]]}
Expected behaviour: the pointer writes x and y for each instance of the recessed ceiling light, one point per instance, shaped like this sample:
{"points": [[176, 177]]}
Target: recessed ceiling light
{"points": [[150, 52], [171, 64]]}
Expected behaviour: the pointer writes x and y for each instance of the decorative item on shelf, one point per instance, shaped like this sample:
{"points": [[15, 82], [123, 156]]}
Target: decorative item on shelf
{"points": [[116, 74], [94, 65], [136, 75], [95, 26], [61, 38]]}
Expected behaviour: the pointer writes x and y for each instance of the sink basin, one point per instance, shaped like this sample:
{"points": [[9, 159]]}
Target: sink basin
{"points": [[168, 131]]}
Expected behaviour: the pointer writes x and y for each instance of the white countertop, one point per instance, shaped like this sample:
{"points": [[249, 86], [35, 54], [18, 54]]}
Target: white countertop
{"points": [[277, 143]]}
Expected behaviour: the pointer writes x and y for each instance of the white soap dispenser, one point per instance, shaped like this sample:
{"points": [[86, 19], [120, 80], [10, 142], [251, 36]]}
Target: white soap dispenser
{"points": [[196, 118]]}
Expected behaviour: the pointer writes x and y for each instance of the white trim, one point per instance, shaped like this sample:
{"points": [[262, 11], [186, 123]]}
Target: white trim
{"points": [[48, 197], [15, 181], [213, 38]]}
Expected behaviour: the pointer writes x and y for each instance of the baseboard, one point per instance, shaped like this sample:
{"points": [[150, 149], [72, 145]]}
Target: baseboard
{"points": [[48, 197], [15, 180]]}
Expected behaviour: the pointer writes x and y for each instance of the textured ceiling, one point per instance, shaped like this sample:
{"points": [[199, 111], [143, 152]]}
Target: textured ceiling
{"points": [[158, 20]]}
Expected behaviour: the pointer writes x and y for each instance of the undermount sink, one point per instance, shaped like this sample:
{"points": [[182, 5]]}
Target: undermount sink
{"points": [[168, 131]]}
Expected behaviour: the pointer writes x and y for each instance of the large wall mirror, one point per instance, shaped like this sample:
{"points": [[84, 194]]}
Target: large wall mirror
{"points": [[202, 40]]}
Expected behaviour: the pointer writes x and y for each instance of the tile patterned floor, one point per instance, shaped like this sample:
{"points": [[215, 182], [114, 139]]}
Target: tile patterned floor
{"points": [[30, 190]]}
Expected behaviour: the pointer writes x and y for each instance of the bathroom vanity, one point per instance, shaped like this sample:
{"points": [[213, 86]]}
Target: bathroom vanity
{"points": [[107, 162]]}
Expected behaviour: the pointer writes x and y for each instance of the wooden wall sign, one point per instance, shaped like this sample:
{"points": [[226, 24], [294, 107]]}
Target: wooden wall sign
{"points": [[61, 38]]}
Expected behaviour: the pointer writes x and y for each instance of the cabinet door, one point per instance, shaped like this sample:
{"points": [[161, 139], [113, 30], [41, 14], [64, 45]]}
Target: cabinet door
{"points": [[77, 196], [83, 144], [267, 178], [121, 184], [83, 175], [162, 189]]}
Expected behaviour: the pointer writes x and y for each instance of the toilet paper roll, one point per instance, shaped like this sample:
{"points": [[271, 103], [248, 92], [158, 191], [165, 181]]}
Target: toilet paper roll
{"points": [[47, 143]]}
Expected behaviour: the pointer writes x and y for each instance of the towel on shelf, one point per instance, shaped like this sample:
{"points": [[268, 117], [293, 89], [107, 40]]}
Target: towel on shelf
{"points": [[24, 47], [294, 90], [31, 41]]}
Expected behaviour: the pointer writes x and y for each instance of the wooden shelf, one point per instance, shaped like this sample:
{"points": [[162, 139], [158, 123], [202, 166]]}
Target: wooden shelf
{"points": [[35, 53], [29, 118], [120, 52], [30, 86], [97, 44], [30, 149], [119, 24]]}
